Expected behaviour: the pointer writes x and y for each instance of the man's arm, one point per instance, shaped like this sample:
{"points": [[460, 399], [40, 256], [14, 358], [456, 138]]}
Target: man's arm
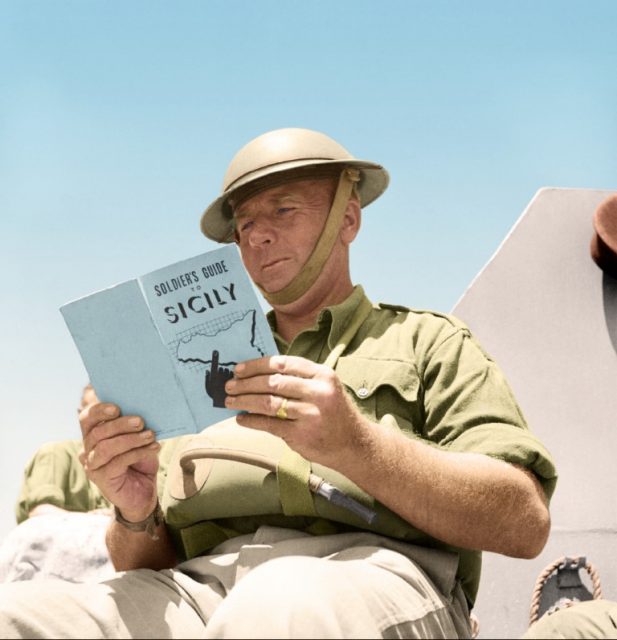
{"points": [[464, 499], [121, 457], [137, 550]]}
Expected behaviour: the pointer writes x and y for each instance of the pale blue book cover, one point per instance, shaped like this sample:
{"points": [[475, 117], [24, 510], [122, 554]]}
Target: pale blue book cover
{"points": [[162, 346]]}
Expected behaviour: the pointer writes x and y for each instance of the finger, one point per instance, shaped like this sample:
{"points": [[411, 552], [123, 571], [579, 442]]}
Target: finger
{"points": [[268, 405], [290, 365], [111, 429], [276, 384], [215, 360], [95, 414], [281, 428], [107, 450], [119, 464]]}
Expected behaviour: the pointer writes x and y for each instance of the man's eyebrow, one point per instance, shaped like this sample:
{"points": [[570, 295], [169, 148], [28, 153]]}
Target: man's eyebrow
{"points": [[237, 215], [277, 199]]}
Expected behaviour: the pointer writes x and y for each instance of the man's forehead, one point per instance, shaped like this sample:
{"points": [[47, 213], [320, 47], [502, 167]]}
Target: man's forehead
{"points": [[298, 190]]}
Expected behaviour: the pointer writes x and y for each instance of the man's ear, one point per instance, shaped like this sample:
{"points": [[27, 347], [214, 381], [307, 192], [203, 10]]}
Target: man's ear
{"points": [[351, 221]]}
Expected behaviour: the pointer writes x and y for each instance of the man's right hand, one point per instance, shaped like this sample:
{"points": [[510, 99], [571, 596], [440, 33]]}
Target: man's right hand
{"points": [[121, 457]]}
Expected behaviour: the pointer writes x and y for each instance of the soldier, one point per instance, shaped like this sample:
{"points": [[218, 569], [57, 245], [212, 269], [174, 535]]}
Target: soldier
{"points": [[53, 480], [400, 406]]}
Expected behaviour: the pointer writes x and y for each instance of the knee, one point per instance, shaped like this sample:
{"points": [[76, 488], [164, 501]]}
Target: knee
{"points": [[292, 581], [279, 599]]}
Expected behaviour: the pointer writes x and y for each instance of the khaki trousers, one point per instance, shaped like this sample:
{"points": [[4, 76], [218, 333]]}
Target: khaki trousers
{"points": [[276, 583]]}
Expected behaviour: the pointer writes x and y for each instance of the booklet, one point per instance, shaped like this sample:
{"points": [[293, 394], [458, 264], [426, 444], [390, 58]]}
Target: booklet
{"points": [[162, 346]]}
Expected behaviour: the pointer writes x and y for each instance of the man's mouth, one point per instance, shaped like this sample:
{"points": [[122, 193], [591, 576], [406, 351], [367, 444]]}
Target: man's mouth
{"points": [[272, 263]]}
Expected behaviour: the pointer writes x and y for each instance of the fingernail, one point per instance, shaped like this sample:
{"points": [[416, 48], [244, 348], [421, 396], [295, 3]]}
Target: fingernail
{"points": [[239, 368], [134, 422], [110, 410], [229, 385], [147, 435]]}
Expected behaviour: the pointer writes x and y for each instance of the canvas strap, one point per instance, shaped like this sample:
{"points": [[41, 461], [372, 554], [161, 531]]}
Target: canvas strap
{"points": [[293, 470], [292, 475]]}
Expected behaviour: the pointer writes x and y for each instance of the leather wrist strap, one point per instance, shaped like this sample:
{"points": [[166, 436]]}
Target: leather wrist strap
{"points": [[149, 524]]}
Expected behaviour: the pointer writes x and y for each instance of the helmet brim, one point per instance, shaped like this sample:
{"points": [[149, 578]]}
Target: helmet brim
{"points": [[216, 221]]}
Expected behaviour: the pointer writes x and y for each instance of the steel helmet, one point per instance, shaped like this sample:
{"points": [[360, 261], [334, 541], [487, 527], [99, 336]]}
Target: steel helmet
{"points": [[279, 156]]}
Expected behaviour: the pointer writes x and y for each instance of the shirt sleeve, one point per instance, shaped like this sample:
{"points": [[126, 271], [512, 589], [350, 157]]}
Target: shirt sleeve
{"points": [[470, 407], [54, 475]]}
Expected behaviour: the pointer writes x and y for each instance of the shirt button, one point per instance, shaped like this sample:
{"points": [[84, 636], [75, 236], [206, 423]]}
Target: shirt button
{"points": [[362, 392]]}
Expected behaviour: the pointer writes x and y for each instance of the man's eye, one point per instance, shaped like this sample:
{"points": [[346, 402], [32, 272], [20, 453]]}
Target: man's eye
{"points": [[245, 226], [283, 210]]}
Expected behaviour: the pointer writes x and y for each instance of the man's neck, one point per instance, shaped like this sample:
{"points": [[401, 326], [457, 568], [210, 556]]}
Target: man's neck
{"points": [[298, 316]]}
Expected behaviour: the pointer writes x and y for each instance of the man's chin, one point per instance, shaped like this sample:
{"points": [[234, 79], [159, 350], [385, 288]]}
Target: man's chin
{"points": [[273, 285], [272, 288]]}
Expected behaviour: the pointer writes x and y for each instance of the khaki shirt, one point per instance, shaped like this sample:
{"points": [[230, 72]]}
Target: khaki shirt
{"points": [[425, 374], [417, 371]]}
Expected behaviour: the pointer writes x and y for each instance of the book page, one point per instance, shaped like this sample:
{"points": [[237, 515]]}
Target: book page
{"points": [[126, 362], [163, 345], [209, 318]]}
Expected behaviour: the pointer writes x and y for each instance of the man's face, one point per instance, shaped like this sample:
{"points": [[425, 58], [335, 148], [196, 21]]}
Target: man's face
{"points": [[278, 228]]}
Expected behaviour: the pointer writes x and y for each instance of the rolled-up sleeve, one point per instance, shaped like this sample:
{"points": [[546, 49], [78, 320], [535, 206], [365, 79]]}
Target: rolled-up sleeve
{"points": [[469, 407]]}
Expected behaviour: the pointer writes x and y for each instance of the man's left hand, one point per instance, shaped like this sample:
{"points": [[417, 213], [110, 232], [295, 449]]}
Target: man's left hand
{"points": [[321, 422]]}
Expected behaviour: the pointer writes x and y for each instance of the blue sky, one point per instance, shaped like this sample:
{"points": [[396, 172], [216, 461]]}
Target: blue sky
{"points": [[118, 119]]}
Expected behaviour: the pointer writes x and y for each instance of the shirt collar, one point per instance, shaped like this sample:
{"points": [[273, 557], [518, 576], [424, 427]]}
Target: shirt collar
{"points": [[334, 319]]}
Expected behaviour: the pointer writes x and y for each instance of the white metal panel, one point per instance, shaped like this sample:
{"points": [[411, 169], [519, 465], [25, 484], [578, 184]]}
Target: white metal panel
{"points": [[548, 315]]}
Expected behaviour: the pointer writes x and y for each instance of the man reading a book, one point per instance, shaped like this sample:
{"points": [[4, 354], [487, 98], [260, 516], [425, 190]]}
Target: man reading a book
{"points": [[401, 410]]}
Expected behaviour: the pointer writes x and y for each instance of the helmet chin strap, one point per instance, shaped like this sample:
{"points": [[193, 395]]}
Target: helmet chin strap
{"points": [[309, 273]]}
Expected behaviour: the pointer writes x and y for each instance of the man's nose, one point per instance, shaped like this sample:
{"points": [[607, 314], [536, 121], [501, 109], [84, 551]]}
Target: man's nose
{"points": [[262, 232]]}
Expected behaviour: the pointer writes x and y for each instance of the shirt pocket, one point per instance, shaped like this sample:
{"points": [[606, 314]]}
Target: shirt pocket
{"points": [[382, 387]]}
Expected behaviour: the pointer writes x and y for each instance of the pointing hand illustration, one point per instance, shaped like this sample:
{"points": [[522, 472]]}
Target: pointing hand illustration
{"points": [[216, 378]]}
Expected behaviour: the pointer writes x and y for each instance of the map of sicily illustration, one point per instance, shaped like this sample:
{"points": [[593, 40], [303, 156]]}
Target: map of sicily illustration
{"points": [[162, 345]]}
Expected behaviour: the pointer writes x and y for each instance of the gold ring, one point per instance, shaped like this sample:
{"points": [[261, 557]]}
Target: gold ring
{"points": [[281, 412]]}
